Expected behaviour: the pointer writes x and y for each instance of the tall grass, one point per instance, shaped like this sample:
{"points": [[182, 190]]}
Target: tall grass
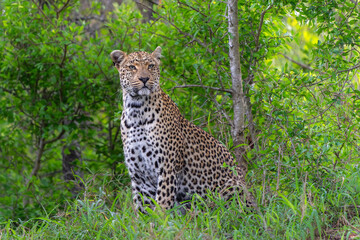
{"points": [[303, 212]]}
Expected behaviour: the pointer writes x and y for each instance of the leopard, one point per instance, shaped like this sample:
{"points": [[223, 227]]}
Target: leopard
{"points": [[169, 159]]}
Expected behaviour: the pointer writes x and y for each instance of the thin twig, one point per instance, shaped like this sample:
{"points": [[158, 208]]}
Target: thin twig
{"points": [[296, 62], [260, 26], [87, 18], [196, 10], [62, 8], [42, 12], [55, 138], [278, 171], [349, 69], [188, 35], [264, 186], [348, 16], [205, 87], [324, 79], [222, 110]]}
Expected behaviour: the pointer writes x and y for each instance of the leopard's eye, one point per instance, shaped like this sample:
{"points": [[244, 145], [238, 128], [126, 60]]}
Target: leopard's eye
{"points": [[151, 66], [132, 67]]}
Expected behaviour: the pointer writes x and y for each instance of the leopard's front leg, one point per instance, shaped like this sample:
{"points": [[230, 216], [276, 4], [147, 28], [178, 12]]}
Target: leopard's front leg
{"points": [[142, 198], [166, 190]]}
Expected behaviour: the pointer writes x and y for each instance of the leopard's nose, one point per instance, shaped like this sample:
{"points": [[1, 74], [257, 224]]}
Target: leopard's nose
{"points": [[144, 79]]}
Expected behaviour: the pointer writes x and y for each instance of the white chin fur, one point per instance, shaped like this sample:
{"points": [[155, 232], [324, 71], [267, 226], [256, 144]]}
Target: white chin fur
{"points": [[144, 92]]}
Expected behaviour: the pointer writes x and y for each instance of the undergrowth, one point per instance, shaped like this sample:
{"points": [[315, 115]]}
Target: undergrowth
{"points": [[309, 211]]}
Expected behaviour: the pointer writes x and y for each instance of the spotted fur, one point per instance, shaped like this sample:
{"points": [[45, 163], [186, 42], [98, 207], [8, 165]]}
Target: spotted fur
{"points": [[168, 158]]}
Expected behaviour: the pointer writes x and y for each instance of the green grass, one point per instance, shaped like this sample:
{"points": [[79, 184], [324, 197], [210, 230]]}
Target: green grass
{"points": [[307, 212]]}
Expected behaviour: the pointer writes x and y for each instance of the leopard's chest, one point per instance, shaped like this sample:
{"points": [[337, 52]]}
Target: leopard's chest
{"points": [[142, 154]]}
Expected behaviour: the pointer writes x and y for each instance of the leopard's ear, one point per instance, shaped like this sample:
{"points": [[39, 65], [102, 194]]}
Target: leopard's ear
{"points": [[117, 57], [157, 54]]}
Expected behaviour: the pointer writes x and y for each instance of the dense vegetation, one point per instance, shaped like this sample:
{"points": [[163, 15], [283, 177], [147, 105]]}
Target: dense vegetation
{"points": [[62, 172]]}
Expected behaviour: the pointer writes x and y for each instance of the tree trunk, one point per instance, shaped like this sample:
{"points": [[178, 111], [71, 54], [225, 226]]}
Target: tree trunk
{"points": [[71, 153], [237, 128], [145, 7]]}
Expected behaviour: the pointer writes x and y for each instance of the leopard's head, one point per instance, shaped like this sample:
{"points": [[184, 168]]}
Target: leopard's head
{"points": [[139, 71]]}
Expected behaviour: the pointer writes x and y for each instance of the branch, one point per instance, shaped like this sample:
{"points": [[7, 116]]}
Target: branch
{"points": [[37, 164], [64, 56], [187, 35], [146, 6], [205, 87], [193, 38], [12, 92], [298, 63], [117, 132], [87, 18], [97, 63], [348, 16], [62, 8], [221, 109], [111, 145], [42, 12], [312, 69], [345, 70], [349, 69], [55, 138], [196, 10], [260, 26]]}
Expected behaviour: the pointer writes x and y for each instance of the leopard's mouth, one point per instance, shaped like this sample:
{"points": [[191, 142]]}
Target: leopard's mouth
{"points": [[144, 91]]}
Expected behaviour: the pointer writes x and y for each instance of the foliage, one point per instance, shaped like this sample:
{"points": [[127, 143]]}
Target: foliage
{"points": [[299, 65], [100, 216], [51, 97]]}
